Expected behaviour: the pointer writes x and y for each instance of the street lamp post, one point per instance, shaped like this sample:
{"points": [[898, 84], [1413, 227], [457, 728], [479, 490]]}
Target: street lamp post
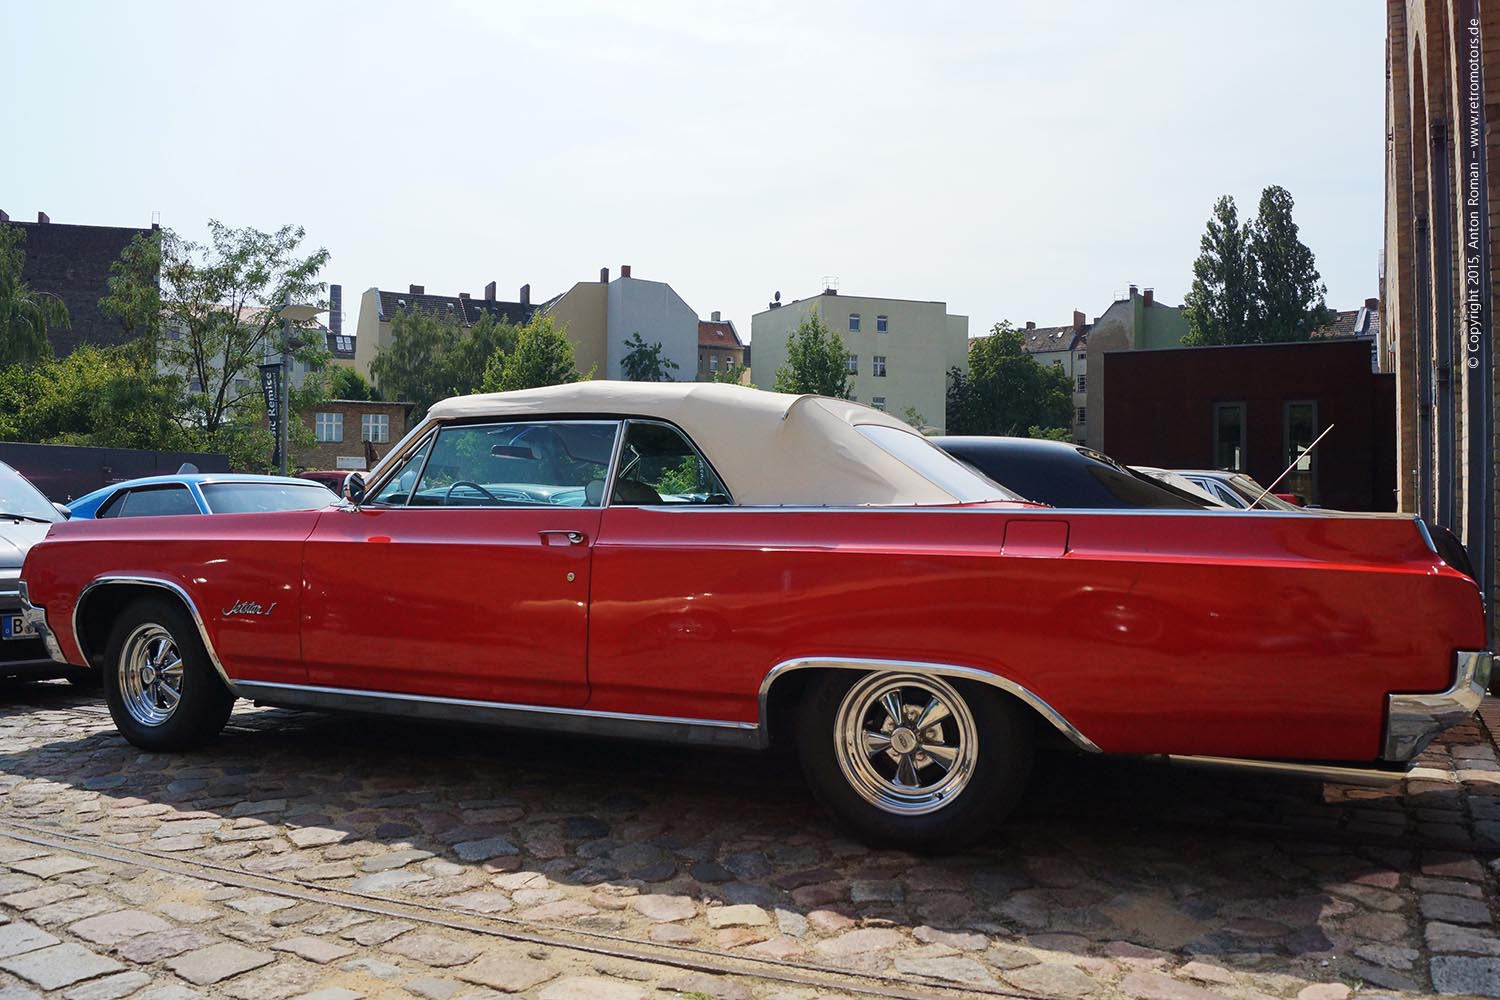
{"points": [[289, 314]]}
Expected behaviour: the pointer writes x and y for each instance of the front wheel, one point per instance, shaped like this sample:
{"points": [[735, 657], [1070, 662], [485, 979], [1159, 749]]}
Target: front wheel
{"points": [[161, 688], [913, 760]]}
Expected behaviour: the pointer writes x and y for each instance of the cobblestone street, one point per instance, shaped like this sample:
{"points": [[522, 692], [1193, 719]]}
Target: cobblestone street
{"points": [[336, 858]]}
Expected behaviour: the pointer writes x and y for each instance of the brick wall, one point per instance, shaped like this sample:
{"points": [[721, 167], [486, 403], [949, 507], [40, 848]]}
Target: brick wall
{"points": [[351, 448]]}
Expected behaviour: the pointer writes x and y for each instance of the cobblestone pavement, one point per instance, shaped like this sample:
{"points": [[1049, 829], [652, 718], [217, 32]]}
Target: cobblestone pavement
{"points": [[336, 858]]}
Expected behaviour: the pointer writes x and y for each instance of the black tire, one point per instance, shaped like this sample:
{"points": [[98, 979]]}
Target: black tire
{"points": [[203, 704], [997, 771]]}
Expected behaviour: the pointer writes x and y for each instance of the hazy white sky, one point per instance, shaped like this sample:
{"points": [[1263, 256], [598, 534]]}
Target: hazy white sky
{"points": [[1017, 160]]}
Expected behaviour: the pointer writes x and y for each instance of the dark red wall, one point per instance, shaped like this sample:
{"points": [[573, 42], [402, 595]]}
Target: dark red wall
{"points": [[1159, 407]]}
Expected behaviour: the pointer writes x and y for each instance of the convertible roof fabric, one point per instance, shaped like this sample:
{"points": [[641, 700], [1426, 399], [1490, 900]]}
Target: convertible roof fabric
{"points": [[770, 448]]}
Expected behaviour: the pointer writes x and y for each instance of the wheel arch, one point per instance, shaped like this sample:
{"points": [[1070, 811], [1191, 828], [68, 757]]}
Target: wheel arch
{"points": [[106, 596], [786, 681]]}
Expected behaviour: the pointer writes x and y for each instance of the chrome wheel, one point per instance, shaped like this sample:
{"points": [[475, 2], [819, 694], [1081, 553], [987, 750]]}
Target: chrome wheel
{"points": [[906, 743], [150, 675]]}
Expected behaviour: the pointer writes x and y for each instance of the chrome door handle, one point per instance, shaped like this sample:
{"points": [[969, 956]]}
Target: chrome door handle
{"points": [[573, 537]]}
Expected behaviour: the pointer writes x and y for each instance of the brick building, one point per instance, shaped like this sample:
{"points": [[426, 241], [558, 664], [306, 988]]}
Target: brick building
{"points": [[72, 262], [347, 430], [1440, 279], [719, 347]]}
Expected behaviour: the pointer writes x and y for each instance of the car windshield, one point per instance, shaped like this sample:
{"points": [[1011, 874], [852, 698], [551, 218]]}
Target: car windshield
{"points": [[1250, 489], [258, 498], [18, 498], [936, 465]]}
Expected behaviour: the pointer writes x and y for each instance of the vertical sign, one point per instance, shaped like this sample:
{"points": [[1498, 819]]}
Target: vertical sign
{"points": [[270, 387], [1477, 349]]}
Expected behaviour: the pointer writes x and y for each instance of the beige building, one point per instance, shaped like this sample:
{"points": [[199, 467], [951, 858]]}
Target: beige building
{"points": [[1064, 348], [1134, 322], [900, 350], [377, 307], [602, 317]]}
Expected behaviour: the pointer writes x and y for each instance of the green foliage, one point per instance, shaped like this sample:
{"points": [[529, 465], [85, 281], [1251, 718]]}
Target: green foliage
{"points": [[1006, 392], [914, 417], [346, 383], [95, 396], [730, 375], [543, 355], [1049, 433], [1256, 282], [134, 296], [432, 357], [643, 362], [685, 477], [25, 315], [816, 361]]}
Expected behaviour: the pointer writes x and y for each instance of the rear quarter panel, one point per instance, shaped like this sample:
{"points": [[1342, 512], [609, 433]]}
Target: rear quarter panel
{"points": [[217, 559], [1258, 635]]}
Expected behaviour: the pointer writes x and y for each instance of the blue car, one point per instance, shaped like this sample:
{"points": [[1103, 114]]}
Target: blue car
{"points": [[202, 493]]}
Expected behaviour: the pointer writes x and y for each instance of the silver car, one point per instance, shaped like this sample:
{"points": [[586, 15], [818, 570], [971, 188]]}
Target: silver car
{"points": [[25, 517]]}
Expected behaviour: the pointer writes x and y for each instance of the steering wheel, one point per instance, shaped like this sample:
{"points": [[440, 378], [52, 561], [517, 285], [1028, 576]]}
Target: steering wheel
{"points": [[464, 482]]}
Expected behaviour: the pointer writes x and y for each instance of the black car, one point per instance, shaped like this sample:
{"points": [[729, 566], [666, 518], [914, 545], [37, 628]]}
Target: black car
{"points": [[1066, 475]]}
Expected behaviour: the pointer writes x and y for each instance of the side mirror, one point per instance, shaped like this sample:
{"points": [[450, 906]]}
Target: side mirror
{"points": [[63, 509], [354, 488]]}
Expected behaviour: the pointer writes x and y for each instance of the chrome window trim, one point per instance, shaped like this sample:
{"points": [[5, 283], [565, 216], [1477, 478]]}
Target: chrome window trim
{"points": [[168, 585], [1029, 698], [1414, 720], [609, 494], [719, 732]]}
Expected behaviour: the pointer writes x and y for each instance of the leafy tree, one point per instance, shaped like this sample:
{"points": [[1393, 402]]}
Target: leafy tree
{"points": [[730, 374], [1005, 391], [1256, 282], [134, 296], [432, 357], [346, 383], [1289, 291], [816, 361], [1049, 433], [643, 362], [914, 417], [543, 356], [25, 314], [1220, 307], [94, 396]]}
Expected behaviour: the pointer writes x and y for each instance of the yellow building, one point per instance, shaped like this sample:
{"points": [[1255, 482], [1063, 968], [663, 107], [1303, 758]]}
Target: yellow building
{"points": [[377, 307]]}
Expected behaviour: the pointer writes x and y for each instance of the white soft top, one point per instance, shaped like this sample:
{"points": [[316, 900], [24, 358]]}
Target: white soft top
{"points": [[770, 448]]}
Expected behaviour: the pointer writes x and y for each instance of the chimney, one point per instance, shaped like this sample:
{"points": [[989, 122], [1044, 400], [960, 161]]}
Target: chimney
{"points": [[42, 217], [1133, 291], [1079, 320], [336, 309], [525, 295], [1030, 324], [1150, 296], [464, 296], [715, 315], [603, 275], [416, 290], [1371, 304], [489, 292], [3, 216], [624, 270]]}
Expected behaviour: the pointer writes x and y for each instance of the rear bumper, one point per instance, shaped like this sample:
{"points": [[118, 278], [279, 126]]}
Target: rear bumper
{"points": [[37, 618], [1413, 720]]}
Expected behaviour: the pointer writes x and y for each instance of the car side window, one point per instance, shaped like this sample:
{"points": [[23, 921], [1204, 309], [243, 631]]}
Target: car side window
{"points": [[156, 501], [659, 466], [558, 463], [397, 489]]}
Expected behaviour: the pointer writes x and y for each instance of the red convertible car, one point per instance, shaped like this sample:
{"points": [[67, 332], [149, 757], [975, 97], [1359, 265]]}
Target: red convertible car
{"points": [[715, 564]]}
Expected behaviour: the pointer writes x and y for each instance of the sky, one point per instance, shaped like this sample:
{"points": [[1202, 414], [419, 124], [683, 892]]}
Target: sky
{"points": [[1015, 160]]}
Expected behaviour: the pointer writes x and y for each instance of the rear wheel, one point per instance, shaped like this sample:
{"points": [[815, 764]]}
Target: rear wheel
{"points": [[913, 760], [161, 688]]}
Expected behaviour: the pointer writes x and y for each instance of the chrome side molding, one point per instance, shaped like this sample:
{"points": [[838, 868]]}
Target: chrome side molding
{"points": [[1413, 720], [1034, 702], [656, 728], [168, 585], [1347, 774]]}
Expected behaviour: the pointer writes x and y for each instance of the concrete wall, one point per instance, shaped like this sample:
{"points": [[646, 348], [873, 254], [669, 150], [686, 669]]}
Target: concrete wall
{"points": [[583, 314], [659, 315], [368, 330]]}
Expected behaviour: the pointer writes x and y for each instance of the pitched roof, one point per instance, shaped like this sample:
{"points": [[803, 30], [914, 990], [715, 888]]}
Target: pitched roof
{"points": [[1053, 338], [466, 310], [1349, 323], [711, 334]]}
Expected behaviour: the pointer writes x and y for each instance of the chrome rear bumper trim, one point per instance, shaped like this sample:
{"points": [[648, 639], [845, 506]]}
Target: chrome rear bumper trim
{"points": [[1413, 720], [36, 618], [1351, 774]]}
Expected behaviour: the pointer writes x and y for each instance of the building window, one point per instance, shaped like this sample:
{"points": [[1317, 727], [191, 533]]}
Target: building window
{"points": [[878, 365], [854, 364], [1083, 416], [1057, 363], [713, 362], [1083, 384], [328, 427], [375, 427], [878, 402], [882, 325], [1229, 436], [1082, 356], [1299, 429], [854, 322]]}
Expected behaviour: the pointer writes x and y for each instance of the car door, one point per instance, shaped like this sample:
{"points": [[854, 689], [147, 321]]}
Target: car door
{"points": [[467, 576]]}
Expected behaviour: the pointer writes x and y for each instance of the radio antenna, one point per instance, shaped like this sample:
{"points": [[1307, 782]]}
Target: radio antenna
{"points": [[1289, 468]]}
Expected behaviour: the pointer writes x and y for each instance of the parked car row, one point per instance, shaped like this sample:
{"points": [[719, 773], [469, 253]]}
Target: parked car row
{"points": [[713, 564]]}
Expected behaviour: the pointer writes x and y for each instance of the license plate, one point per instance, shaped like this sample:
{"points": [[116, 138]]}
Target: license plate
{"points": [[15, 627]]}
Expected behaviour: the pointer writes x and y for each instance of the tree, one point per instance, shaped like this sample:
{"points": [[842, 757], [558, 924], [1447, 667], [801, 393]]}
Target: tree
{"points": [[134, 296], [913, 416], [1220, 307], [432, 357], [1289, 291], [731, 374], [346, 383], [1006, 392], [543, 356], [25, 314], [94, 396], [816, 361], [643, 362]]}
